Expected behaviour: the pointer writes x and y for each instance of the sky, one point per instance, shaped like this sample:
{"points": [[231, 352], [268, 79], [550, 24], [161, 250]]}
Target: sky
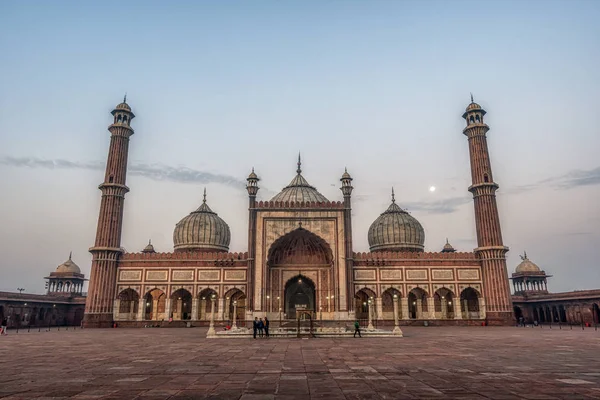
{"points": [[378, 87]]}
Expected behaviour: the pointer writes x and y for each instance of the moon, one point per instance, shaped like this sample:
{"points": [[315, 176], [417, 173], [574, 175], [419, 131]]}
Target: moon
{"points": [[432, 188]]}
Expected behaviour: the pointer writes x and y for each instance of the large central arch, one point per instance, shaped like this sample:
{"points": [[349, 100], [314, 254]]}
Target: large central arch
{"points": [[300, 254], [299, 295], [299, 247]]}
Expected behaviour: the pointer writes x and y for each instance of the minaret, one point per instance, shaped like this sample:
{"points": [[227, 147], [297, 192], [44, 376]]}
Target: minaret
{"points": [[107, 249], [490, 249], [347, 192], [252, 188]]}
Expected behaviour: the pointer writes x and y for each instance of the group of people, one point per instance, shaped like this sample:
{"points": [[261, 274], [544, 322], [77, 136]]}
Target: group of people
{"points": [[261, 326]]}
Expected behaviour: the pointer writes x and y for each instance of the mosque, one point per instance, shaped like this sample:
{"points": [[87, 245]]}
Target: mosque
{"points": [[300, 259]]}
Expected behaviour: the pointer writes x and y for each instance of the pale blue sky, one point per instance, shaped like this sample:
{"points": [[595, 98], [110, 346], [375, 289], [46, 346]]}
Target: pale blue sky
{"points": [[377, 86]]}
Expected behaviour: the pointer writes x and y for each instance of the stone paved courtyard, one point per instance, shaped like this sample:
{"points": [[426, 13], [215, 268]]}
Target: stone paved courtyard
{"points": [[434, 362]]}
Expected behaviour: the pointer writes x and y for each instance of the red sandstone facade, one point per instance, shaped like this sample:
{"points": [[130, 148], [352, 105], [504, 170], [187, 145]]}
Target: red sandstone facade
{"points": [[300, 257]]}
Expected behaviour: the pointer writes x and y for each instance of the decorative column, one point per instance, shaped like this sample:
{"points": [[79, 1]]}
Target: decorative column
{"points": [[233, 325], [141, 309], [404, 306], [155, 310], [419, 308], [482, 310], [370, 305], [396, 330], [116, 309], [457, 312], [195, 301], [431, 307], [466, 307], [211, 327], [379, 308], [167, 309], [221, 312]]}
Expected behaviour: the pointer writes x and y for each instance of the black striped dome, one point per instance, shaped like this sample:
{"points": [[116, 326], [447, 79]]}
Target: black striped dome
{"points": [[202, 230], [396, 230]]}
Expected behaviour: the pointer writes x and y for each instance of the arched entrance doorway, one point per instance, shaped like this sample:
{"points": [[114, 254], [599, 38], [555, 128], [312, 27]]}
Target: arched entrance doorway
{"points": [[417, 304], [469, 299], [363, 299], [596, 313], [128, 304], [299, 296], [181, 305], [155, 305], [303, 254], [236, 302], [518, 312], [207, 297]]}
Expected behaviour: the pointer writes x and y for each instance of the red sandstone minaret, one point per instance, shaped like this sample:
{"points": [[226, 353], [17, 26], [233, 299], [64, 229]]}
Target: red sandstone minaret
{"points": [[490, 248], [349, 253], [252, 188], [107, 249]]}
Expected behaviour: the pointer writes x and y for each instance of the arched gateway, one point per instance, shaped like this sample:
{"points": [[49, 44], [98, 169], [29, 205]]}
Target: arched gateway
{"points": [[300, 266], [299, 296]]}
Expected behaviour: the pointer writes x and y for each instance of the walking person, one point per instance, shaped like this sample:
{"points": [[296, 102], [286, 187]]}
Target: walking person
{"points": [[3, 327], [357, 329], [266, 327], [255, 326], [261, 327]]}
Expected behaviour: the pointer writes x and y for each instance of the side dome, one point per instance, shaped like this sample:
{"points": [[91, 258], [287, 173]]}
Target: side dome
{"points": [[299, 190], [448, 248], [149, 248], [527, 266], [68, 267], [202, 230], [396, 230]]}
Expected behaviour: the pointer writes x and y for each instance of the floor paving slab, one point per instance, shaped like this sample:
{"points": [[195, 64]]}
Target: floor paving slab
{"points": [[433, 362]]}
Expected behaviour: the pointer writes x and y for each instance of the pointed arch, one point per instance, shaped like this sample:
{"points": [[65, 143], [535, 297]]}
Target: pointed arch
{"points": [[469, 303], [155, 305], [300, 247], [205, 308], [387, 303], [181, 305], [300, 293]]}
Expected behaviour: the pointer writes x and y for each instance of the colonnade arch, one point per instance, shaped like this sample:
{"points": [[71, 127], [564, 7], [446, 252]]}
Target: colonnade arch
{"points": [[443, 303], [418, 304], [236, 303], [181, 305], [361, 302]]}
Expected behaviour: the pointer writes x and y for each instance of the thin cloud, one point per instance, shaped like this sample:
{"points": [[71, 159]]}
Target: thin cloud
{"points": [[577, 178], [158, 172]]}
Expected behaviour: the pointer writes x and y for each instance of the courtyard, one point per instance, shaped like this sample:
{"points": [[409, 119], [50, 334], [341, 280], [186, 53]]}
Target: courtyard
{"points": [[433, 362]]}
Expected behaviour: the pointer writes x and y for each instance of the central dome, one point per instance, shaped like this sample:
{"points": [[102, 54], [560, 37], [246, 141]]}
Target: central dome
{"points": [[202, 230], [396, 230], [299, 190]]}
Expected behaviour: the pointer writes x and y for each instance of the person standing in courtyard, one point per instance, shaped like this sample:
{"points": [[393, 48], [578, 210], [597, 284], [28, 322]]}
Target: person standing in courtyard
{"points": [[261, 327], [266, 327], [357, 329], [3, 327], [255, 326]]}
